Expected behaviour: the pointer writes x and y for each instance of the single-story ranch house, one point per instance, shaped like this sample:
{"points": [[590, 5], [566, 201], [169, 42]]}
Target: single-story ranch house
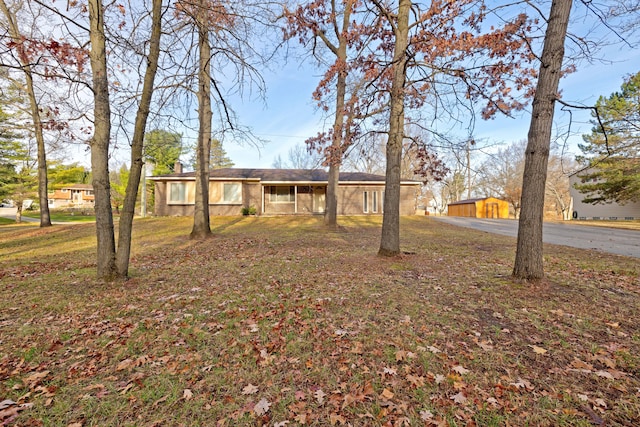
{"points": [[278, 191]]}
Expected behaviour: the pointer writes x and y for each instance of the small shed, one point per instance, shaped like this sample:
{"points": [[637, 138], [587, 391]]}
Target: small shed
{"points": [[488, 207]]}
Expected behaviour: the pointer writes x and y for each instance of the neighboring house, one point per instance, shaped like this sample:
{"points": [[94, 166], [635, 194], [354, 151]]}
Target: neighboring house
{"points": [[278, 191], [488, 207], [612, 211], [72, 195]]}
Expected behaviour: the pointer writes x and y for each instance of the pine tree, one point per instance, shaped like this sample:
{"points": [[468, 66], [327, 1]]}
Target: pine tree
{"points": [[612, 149]]}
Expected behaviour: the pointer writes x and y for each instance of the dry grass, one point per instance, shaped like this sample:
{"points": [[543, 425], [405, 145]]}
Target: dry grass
{"points": [[279, 321]]}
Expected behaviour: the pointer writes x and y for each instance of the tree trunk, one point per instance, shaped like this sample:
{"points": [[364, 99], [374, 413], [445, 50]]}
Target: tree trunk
{"points": [[201, 224], [390, 240], [128, 207], [106, 269], [529, 263], [45, 218], [337, 144]]}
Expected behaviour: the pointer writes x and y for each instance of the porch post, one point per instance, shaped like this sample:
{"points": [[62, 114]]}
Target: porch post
{"points": [[295, 199], [262, 196]]}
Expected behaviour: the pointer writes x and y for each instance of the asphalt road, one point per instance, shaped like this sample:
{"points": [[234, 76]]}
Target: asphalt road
{"points": [[11, 214], [613, 240]]}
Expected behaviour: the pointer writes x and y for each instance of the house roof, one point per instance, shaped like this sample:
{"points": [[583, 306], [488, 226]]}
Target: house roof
{"points": [[77, 187], [281, 175]]}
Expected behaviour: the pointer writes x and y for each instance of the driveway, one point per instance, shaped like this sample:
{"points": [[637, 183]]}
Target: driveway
{"points": [[11, 214], [613, 240]]}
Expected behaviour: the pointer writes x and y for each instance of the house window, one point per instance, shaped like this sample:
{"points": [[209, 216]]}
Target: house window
{"points": [[374, 201], [365, 202], [177, 192], [232, 193], [282, 194], [88, 192]]}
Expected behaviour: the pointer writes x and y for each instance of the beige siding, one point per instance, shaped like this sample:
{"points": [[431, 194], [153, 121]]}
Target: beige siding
{"points": [[600, 211], [350, 200]]}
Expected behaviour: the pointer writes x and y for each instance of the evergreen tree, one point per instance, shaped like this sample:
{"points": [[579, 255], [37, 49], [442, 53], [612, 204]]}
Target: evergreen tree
{"points": [[12, 154], [612, 149], [219, 157], [163, 149]]}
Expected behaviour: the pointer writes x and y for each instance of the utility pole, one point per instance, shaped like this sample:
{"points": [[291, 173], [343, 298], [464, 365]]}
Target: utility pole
{"points": [[143, 196], [470, 142]]}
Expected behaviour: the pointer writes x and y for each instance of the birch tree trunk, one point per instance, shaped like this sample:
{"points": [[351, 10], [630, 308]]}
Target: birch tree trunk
{"points": [[529, 262], [106, 268], [201, 222], [390, 240], [137, 145], [14, 32]]}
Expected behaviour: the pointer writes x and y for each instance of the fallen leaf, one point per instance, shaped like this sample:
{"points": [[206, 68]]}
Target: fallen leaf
{"points": [[522, 383], [389, 371], [538, 350], [34, 378], [77, 424], [281, 424], [262, 407], [605, 374], [434, 350], [426, 415], [459, 398], [460, 369], [187, 394], [249, 389], [125, 364], [439, 378], [319, 395], [417, 381], [335, 418], [387, 394], [6, 403]]}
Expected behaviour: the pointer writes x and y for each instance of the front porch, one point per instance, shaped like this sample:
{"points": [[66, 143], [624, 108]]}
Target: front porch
{"points": [[293, 199]]}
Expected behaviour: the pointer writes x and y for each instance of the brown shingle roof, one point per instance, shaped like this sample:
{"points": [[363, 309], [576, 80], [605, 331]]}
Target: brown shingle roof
{"points": [[281, 175]]}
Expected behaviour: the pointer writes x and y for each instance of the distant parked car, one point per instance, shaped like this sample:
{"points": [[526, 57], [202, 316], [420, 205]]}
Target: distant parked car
{"points": [[6, 204]]}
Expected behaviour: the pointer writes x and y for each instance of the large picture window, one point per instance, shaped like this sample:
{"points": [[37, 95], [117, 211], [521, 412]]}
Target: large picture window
{"points": [[374, 201], [232, 193], [365, 202], [177, 192], [282, 194]]}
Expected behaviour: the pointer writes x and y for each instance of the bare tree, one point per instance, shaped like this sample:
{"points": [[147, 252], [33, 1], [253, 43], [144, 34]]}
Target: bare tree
{"points": [[99, 143], [299, 157], [125, 225], [557, 195], [501, 174]]}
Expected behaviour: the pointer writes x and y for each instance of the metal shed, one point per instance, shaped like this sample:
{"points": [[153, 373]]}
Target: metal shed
{"points": [[488, 207]]}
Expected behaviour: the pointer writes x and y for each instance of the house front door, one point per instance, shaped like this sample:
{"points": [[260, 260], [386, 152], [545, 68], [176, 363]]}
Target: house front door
{"points": [[319, 201]]}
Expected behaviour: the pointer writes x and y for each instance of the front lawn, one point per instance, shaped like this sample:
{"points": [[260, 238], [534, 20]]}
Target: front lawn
{"points": [[62, 216], [282, 322]]}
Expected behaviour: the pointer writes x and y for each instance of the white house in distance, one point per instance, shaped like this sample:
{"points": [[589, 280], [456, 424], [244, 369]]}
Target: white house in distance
{"points": [[608, 211]]}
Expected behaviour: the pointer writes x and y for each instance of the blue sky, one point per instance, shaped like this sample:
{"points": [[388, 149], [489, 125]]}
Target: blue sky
{"points": [[290, 116]]}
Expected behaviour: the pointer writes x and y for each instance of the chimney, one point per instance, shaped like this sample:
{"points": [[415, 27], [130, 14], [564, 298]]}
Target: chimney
{"points": [[177, 167]]}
